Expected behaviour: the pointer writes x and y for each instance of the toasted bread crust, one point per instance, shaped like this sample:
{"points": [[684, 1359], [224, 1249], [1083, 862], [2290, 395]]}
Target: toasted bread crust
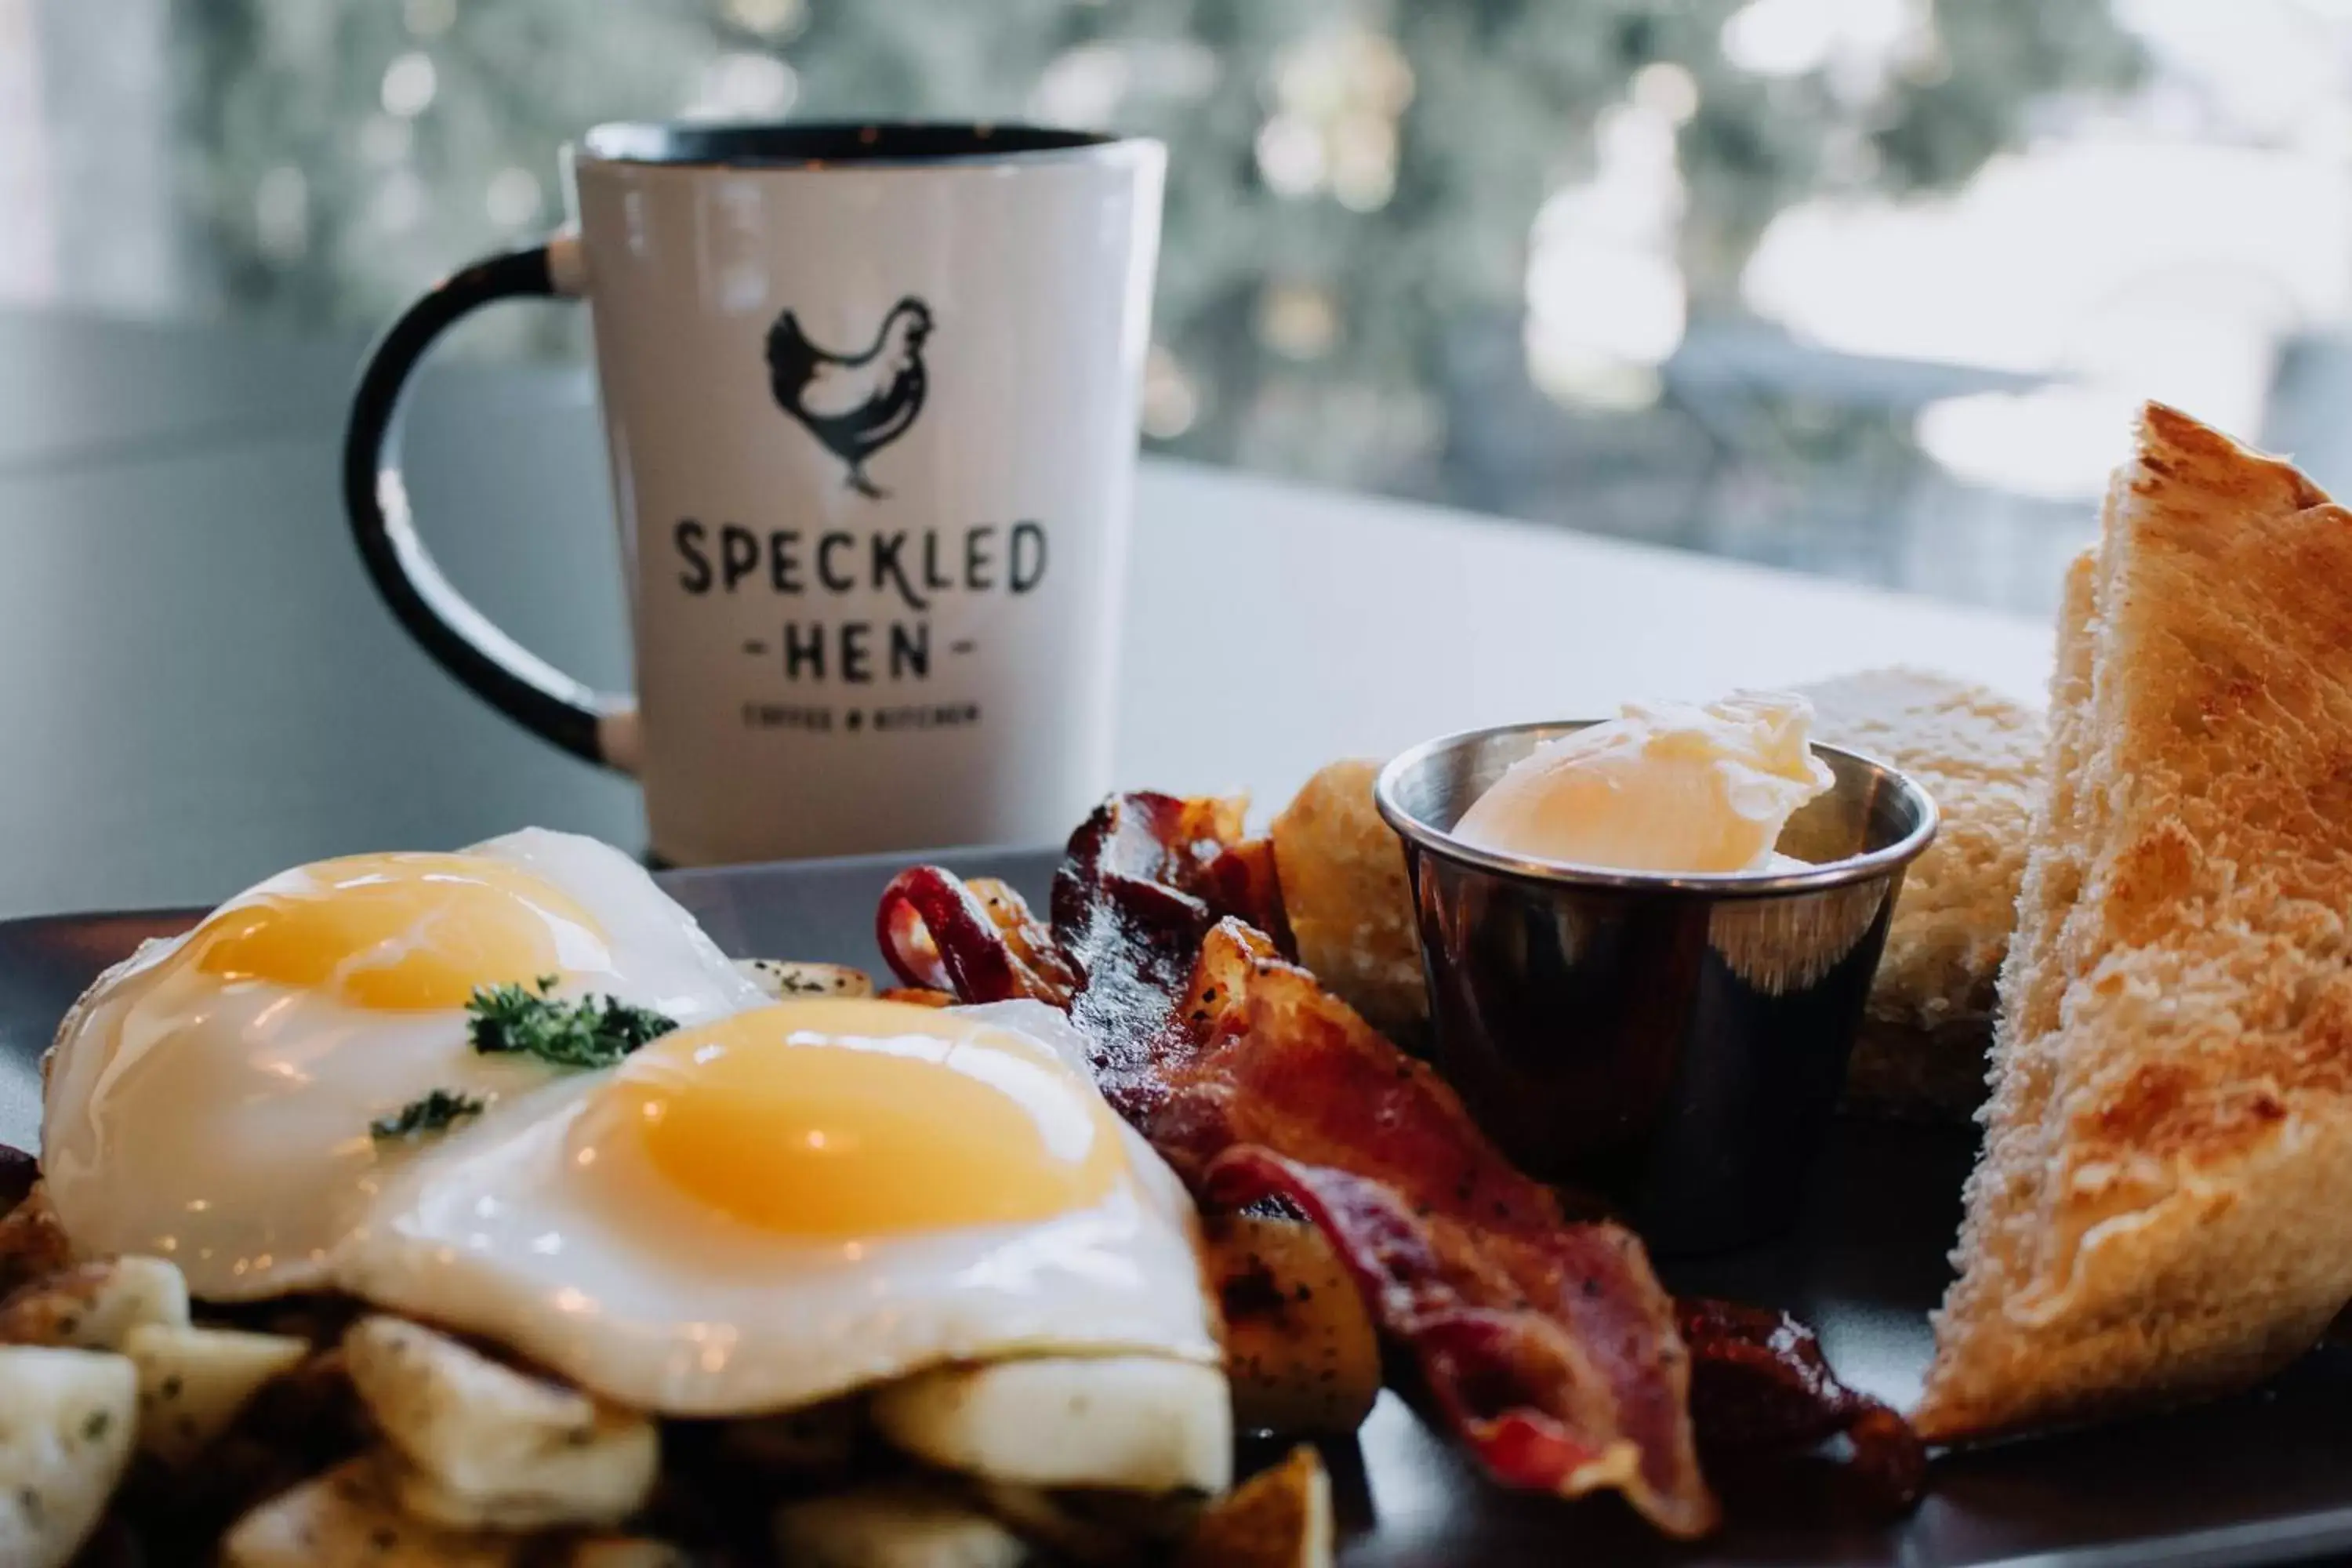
{"points": [[2163, 1206], [1349, 901]]}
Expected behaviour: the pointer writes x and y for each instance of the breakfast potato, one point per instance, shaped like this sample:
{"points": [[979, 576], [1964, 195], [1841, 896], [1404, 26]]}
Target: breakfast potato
{"points": [[347, 1519], [194, 1383], [33, 1245], [94, 1306], [484, 1444], [789, 980], [1349, 901], [899, 1525], [424, 1496], [67, 1420], [1132, 1423], [303, 1420], [1300, 1349], [1279, 1518]]}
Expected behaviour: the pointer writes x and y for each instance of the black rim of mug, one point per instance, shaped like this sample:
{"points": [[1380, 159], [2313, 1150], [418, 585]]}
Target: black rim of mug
{"points": [[851, 144]]}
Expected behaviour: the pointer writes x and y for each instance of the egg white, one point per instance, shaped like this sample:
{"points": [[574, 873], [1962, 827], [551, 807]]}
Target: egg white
{"points": [[627, 1286], [226, 1126]]}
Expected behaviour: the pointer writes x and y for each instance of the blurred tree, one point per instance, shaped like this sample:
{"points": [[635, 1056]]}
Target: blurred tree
{"points": [[1353, 183]]}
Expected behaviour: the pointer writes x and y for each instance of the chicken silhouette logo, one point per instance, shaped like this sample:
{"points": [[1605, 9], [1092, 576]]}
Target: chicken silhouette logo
{"points": [[854, 404]]}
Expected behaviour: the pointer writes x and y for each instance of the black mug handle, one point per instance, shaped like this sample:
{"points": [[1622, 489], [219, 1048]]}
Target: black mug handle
{"points": [[502, 672]]}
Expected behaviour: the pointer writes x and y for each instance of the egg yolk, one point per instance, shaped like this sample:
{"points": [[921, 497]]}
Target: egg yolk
{"points": [[844, 1119], [399, 932]]}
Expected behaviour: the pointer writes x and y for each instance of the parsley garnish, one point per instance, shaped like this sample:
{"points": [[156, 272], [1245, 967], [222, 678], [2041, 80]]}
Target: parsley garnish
{"points": [[593, 1032], [433, 1113]]}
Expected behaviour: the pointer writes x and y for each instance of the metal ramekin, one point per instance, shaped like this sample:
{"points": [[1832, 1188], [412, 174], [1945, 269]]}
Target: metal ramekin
{"points": [[1673, 1044]]}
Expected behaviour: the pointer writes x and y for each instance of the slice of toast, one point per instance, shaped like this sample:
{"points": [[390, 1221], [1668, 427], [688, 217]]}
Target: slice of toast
{"points": [[1921, 1051], [2163, 1207]]}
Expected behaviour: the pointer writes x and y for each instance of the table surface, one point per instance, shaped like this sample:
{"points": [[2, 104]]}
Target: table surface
{"points": [[200, 686]]}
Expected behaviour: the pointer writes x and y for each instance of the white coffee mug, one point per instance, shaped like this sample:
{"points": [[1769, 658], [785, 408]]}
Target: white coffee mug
{"points": [[870, 394]]}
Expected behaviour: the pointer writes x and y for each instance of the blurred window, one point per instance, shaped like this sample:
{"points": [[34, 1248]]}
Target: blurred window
{"points": [[1861, 287]]}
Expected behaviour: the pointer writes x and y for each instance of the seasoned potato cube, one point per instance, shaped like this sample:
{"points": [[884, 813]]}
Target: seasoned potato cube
{"points": [[1299, 1347], [346, 1519], [67, 1419], [33, 1245], [92, 1306], [1279, 1518], [193, 1382], [789, 980], [1348, 901], [288, 1430], [900, 1526], [1130, 1423], [486, 1444], [572, 1501]]}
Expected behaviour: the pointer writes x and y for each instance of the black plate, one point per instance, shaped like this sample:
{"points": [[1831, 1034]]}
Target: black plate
{"points": [[2265, 1478]]}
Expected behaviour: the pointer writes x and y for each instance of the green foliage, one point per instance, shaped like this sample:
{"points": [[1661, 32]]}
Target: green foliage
{"points": [[1502, 99], [592, 1032], [436, 1112]]}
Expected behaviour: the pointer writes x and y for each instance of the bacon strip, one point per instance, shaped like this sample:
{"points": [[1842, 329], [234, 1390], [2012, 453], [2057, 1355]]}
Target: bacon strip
{"points": [[1546, 1344], [1549, 1347], [1546, 1359], [1762, 1381], [976, 939]]}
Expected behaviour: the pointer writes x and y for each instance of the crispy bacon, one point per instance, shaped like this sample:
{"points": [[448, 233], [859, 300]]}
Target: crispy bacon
{"points": [[1549, 1347], [1760, 1381], [976, 939], [1553, 1358], [1548, 1344]]}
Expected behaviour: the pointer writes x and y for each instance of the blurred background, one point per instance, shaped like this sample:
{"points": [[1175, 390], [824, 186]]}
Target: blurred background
{"points": [[1860, 287]]}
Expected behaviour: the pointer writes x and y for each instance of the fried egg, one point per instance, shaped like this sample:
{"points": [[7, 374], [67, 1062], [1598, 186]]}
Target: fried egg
{"points": [[210, 1100], [795, 1202]]}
